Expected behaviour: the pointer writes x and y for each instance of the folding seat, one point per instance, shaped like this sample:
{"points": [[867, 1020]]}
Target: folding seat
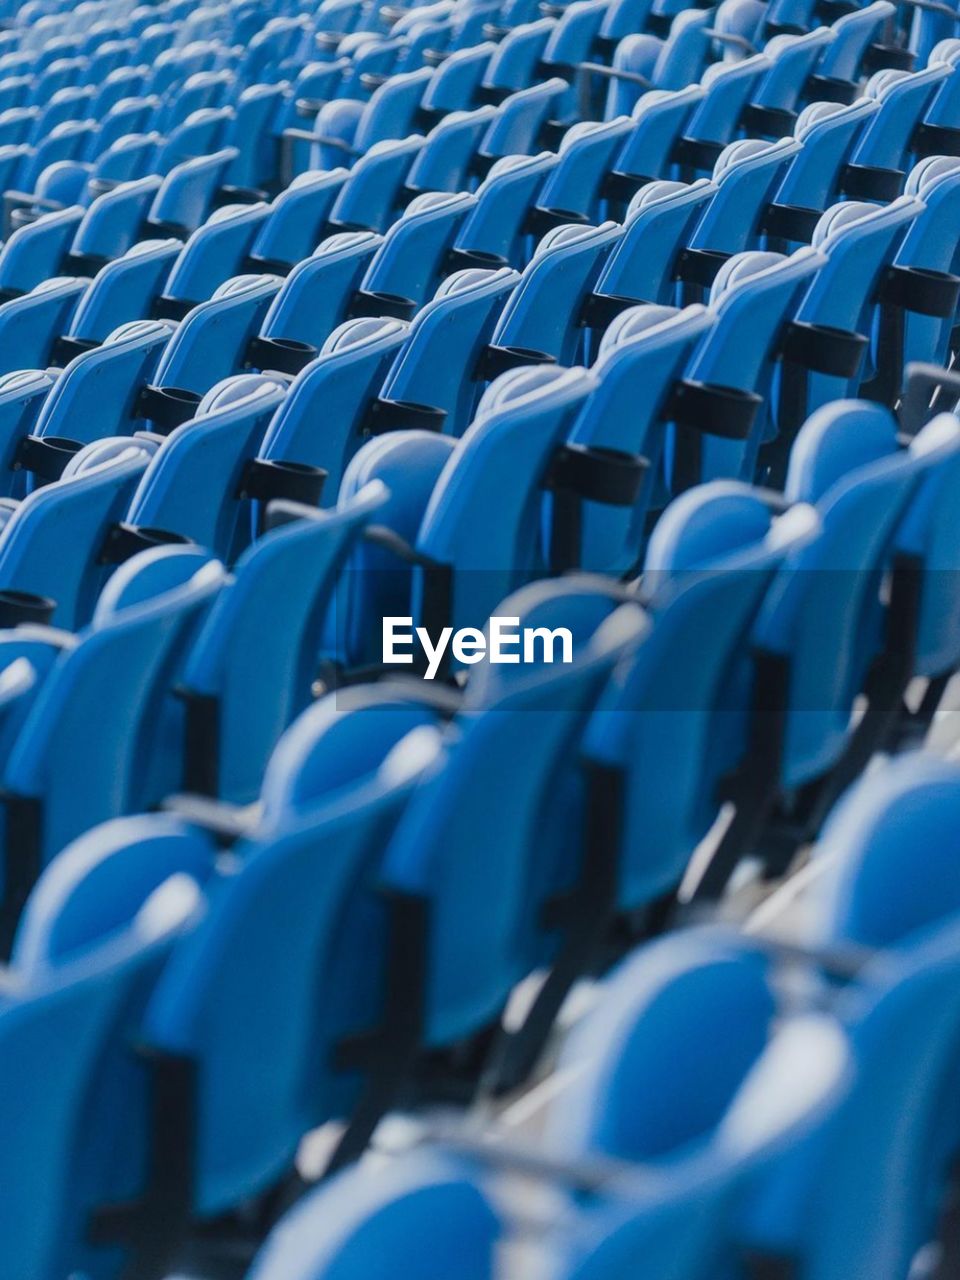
{"points": [[577, 51], [297, 222], [586, 155], [365, 1215], [916, 322], [127, 116], [890, 958], [846, 461], [121, 292], [58, 780], [664, 734], [16, 124], [541, 317], [438, 375], [413, 258], [440, 513], [187, 192], [112, 223], [747, 176], [53, 542], [494, 234], [289, 573], [936, 133], [859, 242], [671, 63], [67, 1113], [898, 1021], [56, 74], [344, 379], [198, 92], [217, 250], [317, 295], [194, 486], [370, 199], [348, 128], [661, 119], [98, 395], [661, 218], [881, 155], [448, 160], [519, 124], [774, 106], [516, 60], [33, 253], [337, 781], [64, 105], [724, 413], [31, 324], [256, 167], [123, 84], [471, 958], [67, 141], [719, 116], [455, 83], [371, 60], [842, 62], [13, 91], [597, 1214], [210, 343], [172, 67], [818, 173], [642, 358]]}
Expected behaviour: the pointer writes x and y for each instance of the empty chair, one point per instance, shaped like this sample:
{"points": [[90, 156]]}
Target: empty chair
{"points": [[846, 461], [336, 782], [195, 485], [59, 779], [54, 542], [267, 624], [469, 508], [71, 1093], [326, 415]]}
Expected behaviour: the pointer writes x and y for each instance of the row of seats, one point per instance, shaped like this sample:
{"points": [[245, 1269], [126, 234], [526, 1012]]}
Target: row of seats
{"points": [[433, 905], [614, 317]]}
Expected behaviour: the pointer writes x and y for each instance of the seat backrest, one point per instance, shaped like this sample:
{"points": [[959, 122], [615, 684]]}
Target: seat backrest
{"points": [[317, 293], [52, 544], [269, 618], [870, 890], [341, 1229], [63, 1114], [80, 778], [361, 752], [343, 379], [541, 313], [210, 342], [826, 599], [674, 722], [474, 863], [483, 516], [439, 363], [193, 485]]}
